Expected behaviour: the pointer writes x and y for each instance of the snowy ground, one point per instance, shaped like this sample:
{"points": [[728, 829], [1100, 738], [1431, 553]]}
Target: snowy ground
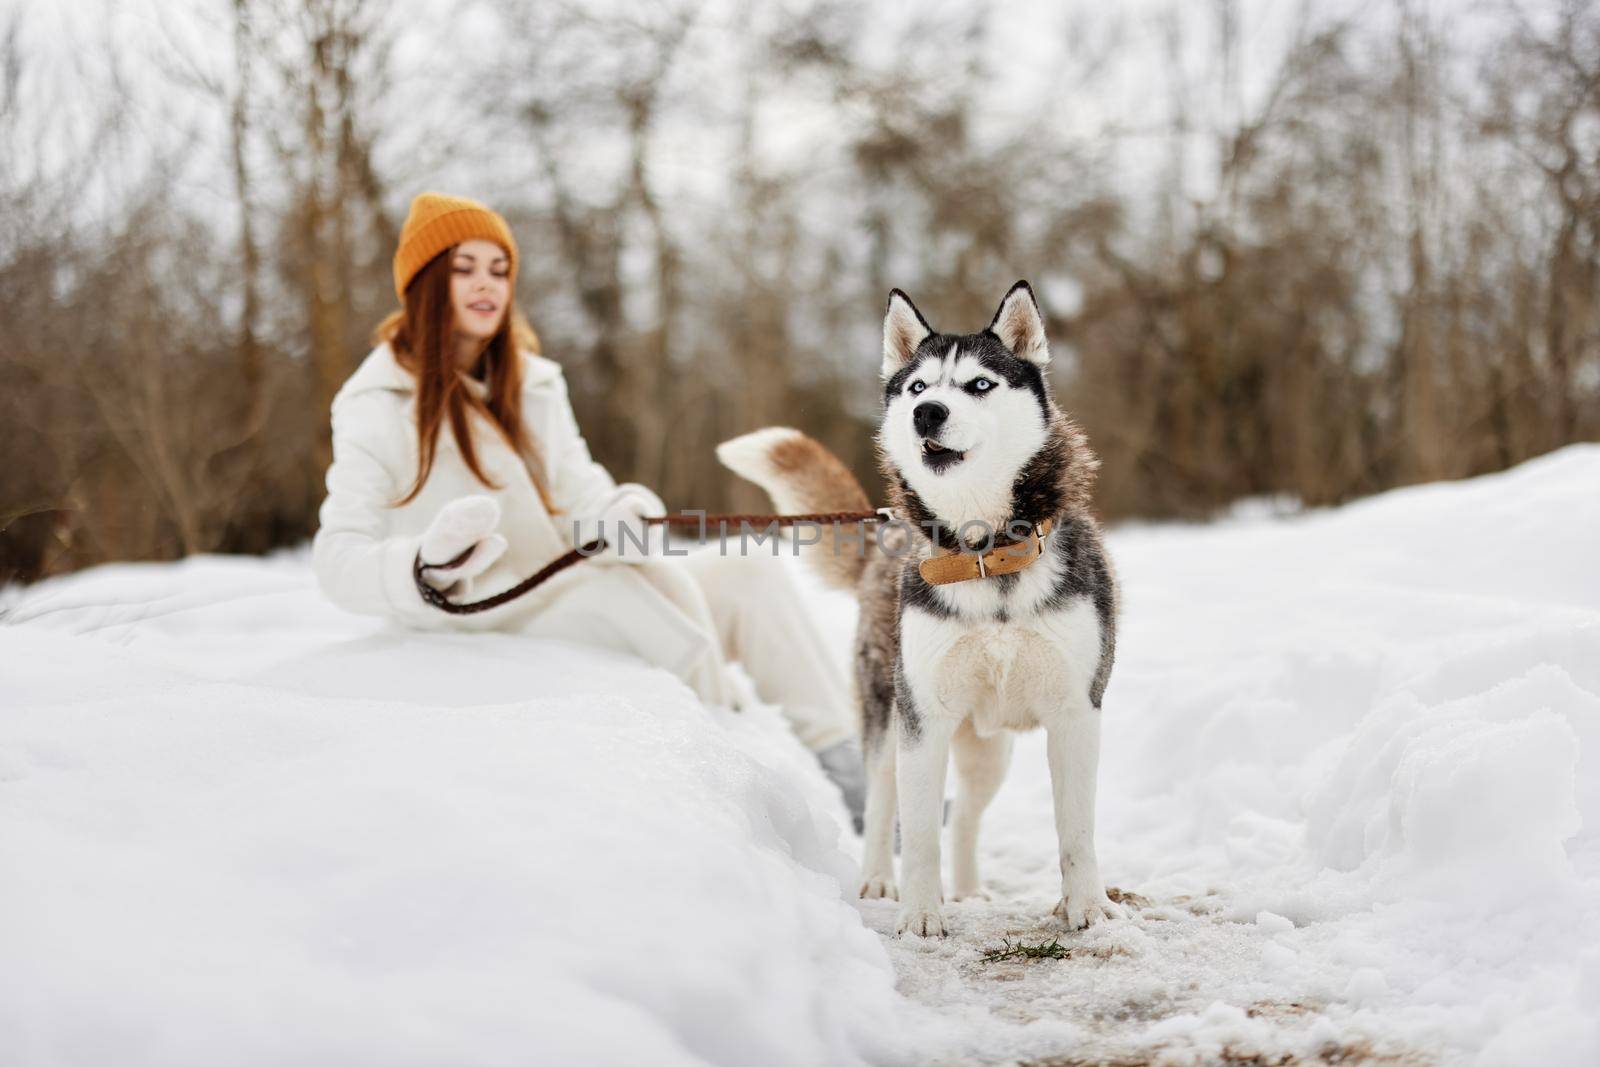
{"points": [[1349, 781]]}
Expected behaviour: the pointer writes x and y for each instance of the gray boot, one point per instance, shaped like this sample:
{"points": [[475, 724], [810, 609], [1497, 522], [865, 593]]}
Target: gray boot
{"points": [[843, 765]]}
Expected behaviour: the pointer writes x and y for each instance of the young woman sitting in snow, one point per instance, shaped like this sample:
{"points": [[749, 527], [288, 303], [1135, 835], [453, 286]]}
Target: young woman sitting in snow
{"points": [[513, 482]]}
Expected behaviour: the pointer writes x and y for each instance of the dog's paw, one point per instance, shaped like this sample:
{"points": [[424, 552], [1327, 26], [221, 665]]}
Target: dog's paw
{"points": [[878, 887], [1084, 909], [922, 921], [975, 892]]}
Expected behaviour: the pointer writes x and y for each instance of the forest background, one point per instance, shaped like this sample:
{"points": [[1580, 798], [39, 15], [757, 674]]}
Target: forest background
{"points": [[1303, 251]]}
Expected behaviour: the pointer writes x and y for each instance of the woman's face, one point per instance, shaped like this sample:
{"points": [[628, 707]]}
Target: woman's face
{"points": [[480, 287]]}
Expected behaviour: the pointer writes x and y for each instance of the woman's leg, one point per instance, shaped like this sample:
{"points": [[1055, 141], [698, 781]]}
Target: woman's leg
{"points": [[658, 615], [762, 623]]}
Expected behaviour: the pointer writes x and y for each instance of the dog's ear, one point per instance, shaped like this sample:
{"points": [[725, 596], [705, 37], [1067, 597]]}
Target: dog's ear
{"points": [[904, 329], [1019, 326]]}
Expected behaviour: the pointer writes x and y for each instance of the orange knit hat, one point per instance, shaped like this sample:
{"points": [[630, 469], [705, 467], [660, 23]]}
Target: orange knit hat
{"points": [[435, 223]]}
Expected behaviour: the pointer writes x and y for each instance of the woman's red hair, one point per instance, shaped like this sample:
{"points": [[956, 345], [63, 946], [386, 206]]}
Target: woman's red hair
{"points": [[422, 335]]}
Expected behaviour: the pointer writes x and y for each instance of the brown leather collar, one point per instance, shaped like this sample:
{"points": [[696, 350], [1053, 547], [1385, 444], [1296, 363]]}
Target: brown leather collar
{"points": [[948, 566]]}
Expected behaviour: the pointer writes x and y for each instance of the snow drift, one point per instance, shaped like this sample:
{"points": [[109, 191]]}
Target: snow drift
{"points": [[237, 826]]}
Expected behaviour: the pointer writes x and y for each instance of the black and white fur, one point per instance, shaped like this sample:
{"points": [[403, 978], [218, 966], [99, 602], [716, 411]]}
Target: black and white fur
{"points": [[971, 441]]}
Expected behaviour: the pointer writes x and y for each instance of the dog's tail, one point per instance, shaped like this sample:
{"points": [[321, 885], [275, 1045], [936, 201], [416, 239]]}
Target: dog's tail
{"points": [[802, 477]]}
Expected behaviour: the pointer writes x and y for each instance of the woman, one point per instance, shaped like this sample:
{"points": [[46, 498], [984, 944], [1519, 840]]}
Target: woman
{"points": [[455, 438]]}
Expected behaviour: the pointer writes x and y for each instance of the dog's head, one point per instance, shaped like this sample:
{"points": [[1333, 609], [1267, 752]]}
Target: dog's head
{"points": [[963, 413]]}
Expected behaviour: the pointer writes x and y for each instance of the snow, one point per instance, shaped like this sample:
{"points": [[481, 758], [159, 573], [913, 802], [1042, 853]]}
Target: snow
{"points": [[238, 826], [1349, 786]]}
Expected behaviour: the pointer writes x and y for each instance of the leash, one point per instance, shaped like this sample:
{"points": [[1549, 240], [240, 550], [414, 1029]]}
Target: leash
{"points": [[943, 568], [437, 598]]}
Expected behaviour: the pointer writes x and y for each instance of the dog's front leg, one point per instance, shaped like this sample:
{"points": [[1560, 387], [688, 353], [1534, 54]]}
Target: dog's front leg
{"points": [[924, 750], [877, 840], [1074, 745]]}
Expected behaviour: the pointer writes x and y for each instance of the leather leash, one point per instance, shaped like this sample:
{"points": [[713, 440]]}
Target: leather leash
{"points": [[946, 567]]}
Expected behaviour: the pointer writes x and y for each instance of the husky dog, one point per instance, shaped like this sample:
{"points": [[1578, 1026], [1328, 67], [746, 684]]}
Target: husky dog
{"points": [[958, 646]]}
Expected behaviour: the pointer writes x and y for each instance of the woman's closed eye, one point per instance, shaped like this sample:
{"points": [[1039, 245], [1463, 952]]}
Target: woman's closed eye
{"points": [[467, 267]]}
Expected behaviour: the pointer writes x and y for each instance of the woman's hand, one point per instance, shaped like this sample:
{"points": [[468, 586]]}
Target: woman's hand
{"points": [[621, 523], [465, 523]]}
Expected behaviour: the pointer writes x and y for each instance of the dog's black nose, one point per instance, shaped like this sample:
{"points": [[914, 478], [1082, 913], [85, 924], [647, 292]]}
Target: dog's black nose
{"points": [[928, 416]]}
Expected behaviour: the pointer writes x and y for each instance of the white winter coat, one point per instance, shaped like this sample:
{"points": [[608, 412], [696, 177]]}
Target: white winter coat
{"points": [[365, 547]]}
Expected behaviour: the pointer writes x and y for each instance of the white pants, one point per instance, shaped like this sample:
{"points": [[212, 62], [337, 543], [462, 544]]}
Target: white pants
{"points": [[746, 609]]}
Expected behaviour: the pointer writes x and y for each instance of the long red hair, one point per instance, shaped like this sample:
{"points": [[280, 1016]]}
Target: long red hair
{"points": [[422, 335]]}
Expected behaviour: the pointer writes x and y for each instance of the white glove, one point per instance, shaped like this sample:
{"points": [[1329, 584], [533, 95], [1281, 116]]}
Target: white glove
{"points": [[467, 522], [619, 521]]}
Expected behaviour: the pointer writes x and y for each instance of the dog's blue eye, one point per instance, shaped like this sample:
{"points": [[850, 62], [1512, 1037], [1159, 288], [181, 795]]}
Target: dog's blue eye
{"points": [[917, 387], [982, 385]]}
